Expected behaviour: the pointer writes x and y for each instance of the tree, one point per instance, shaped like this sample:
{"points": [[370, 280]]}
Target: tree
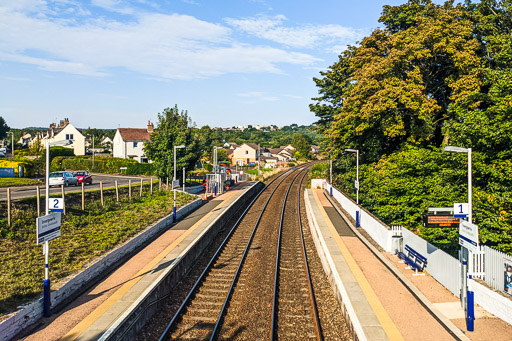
{"points": [[173, 128], [4, 128], [399, 86], [302, 147]]}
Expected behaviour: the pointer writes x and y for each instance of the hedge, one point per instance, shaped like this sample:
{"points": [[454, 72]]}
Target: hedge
{"points": [[28, 166], [107, 165]]}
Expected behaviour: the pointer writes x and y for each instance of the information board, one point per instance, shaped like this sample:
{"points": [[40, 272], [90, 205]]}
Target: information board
{"points": [[439, 220], [468, 235], [175, 184], [48, 227]]}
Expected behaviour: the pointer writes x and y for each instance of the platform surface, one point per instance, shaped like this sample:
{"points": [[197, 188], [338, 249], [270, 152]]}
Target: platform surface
{"points": [[93, 312]]}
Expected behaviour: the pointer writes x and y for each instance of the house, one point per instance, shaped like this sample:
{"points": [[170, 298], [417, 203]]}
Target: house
{"points": [[25, 139], [282, 154], [246, 153], [315, 149], [129, 142], [230, 145], [65, 131]]}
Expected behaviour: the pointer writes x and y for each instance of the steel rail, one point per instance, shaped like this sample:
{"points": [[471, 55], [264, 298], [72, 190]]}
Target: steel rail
{"points": [[278, 256], [170, 325], [318, 326], [238, 270]]}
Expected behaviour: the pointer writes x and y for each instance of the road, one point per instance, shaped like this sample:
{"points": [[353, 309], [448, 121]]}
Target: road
{"points": [[108, 182]]}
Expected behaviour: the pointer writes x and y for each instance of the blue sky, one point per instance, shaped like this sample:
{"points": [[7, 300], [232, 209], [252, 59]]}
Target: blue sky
{"points": [[113, 63]]}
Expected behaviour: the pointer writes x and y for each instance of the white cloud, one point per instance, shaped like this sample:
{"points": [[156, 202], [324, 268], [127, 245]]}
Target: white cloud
{"points": [[305, 36], [164, 46], [256, 96]]}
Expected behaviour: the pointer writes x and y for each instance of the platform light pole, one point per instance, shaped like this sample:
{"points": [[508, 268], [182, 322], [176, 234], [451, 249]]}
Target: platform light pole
{"points": [[46, 247], [330, 173], [174, 179], [467, 296], [356, 183]]}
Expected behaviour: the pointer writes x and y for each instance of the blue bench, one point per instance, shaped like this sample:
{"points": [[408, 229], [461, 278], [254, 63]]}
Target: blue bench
{"points": [[413, 259]]}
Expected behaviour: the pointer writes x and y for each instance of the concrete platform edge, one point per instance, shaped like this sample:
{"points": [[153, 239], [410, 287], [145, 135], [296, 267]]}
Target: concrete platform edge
{"points": [[33, 311], [445, 322], [330, 269], [135, 317]]}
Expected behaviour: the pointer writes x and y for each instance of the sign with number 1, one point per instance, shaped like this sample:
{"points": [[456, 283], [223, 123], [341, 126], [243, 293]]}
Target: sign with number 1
{"points": [[56, 205], [460, 210]]}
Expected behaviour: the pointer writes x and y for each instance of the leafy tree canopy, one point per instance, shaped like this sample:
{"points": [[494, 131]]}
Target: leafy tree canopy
{"points": [[173, 129]]}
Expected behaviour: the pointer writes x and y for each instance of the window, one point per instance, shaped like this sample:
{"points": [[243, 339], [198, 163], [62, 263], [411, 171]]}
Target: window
{"points": [[135, 144], [69, 137], [246, 152]]}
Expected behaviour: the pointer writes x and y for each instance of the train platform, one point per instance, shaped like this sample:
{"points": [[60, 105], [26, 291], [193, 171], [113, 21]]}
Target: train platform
{"points": [[376, 287], [102, 310]]}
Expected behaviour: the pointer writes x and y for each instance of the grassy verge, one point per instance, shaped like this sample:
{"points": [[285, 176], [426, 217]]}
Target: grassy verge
{"points": [[12, 182], [85, 235]]}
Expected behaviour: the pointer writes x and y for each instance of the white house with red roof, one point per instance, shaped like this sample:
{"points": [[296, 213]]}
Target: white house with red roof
{"points": [[129, 142]]}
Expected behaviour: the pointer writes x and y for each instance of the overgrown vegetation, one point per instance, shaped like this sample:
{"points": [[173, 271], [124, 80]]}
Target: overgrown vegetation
{"points": [[84, 236], [434, 75]]}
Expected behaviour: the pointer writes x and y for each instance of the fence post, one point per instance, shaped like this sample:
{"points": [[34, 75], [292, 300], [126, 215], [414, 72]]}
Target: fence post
{"points": [[151, 186], [63, 199], [159, 184], [167, 184], [101, 193], [117, 192], [38, 193], [130, 189], [83, 196], [140, 193], [9, 206]]}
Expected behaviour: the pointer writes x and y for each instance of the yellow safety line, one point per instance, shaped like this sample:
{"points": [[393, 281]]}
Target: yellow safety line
{"points": [[377, 307], [109, 302]]}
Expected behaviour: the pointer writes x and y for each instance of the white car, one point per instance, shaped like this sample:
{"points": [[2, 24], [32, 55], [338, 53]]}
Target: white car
{"points": [[62, 178], [2, 154]]}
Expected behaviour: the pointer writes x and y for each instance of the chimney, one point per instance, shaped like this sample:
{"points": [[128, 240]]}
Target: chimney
{"points": [[150, 127], [66, 121], [52, 126]]}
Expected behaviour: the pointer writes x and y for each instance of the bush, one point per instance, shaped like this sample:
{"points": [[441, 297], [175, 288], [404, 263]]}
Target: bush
{"points": [[27, 165], [103, 164]]}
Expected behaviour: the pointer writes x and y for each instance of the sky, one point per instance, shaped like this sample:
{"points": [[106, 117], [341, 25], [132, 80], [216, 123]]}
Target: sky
{"points": [[112, 63]]}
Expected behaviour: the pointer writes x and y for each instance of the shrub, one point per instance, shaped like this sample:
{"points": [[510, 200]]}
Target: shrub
{"points": [[103, 164]]}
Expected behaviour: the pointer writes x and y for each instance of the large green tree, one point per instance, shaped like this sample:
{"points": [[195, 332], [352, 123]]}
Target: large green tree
{"points": [[173, 129], [399, 84]]}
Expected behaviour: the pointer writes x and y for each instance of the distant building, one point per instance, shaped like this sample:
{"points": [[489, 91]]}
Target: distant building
{"points": [[315, 149], [25, 139], [65, 131], [129, 142], [245, 153]]}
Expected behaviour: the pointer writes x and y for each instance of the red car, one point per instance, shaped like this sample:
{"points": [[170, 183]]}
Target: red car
{"points": [[83, 176]]}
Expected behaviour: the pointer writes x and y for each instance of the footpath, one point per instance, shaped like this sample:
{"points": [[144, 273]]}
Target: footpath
{"points": [[398, 312], [96, 311]]}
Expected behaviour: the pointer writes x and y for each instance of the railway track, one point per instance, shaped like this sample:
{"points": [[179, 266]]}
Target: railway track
{"points": [[257, 284]]}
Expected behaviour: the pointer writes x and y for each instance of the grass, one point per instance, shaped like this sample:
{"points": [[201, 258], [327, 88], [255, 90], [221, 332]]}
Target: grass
{"points": [[85, 235], [12, 182]]}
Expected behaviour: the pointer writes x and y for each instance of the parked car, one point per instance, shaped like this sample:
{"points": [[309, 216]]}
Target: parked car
{"points": [[62, 178], [2, 154], [3, 150], [83, 176]]}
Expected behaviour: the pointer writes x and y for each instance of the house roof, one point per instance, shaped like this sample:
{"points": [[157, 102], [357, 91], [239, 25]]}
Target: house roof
{"points": [[275, 150], [229, 152], [134, 134], [252, 145]]}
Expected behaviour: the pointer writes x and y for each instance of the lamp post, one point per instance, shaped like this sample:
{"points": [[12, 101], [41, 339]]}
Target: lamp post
{"points": [[467, 296], [46, 248], [12, 143], [174, 179], [356, 182], [330, 173]]}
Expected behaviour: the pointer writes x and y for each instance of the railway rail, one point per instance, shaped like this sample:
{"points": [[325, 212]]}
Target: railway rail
{"points": [[257, 284]]}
